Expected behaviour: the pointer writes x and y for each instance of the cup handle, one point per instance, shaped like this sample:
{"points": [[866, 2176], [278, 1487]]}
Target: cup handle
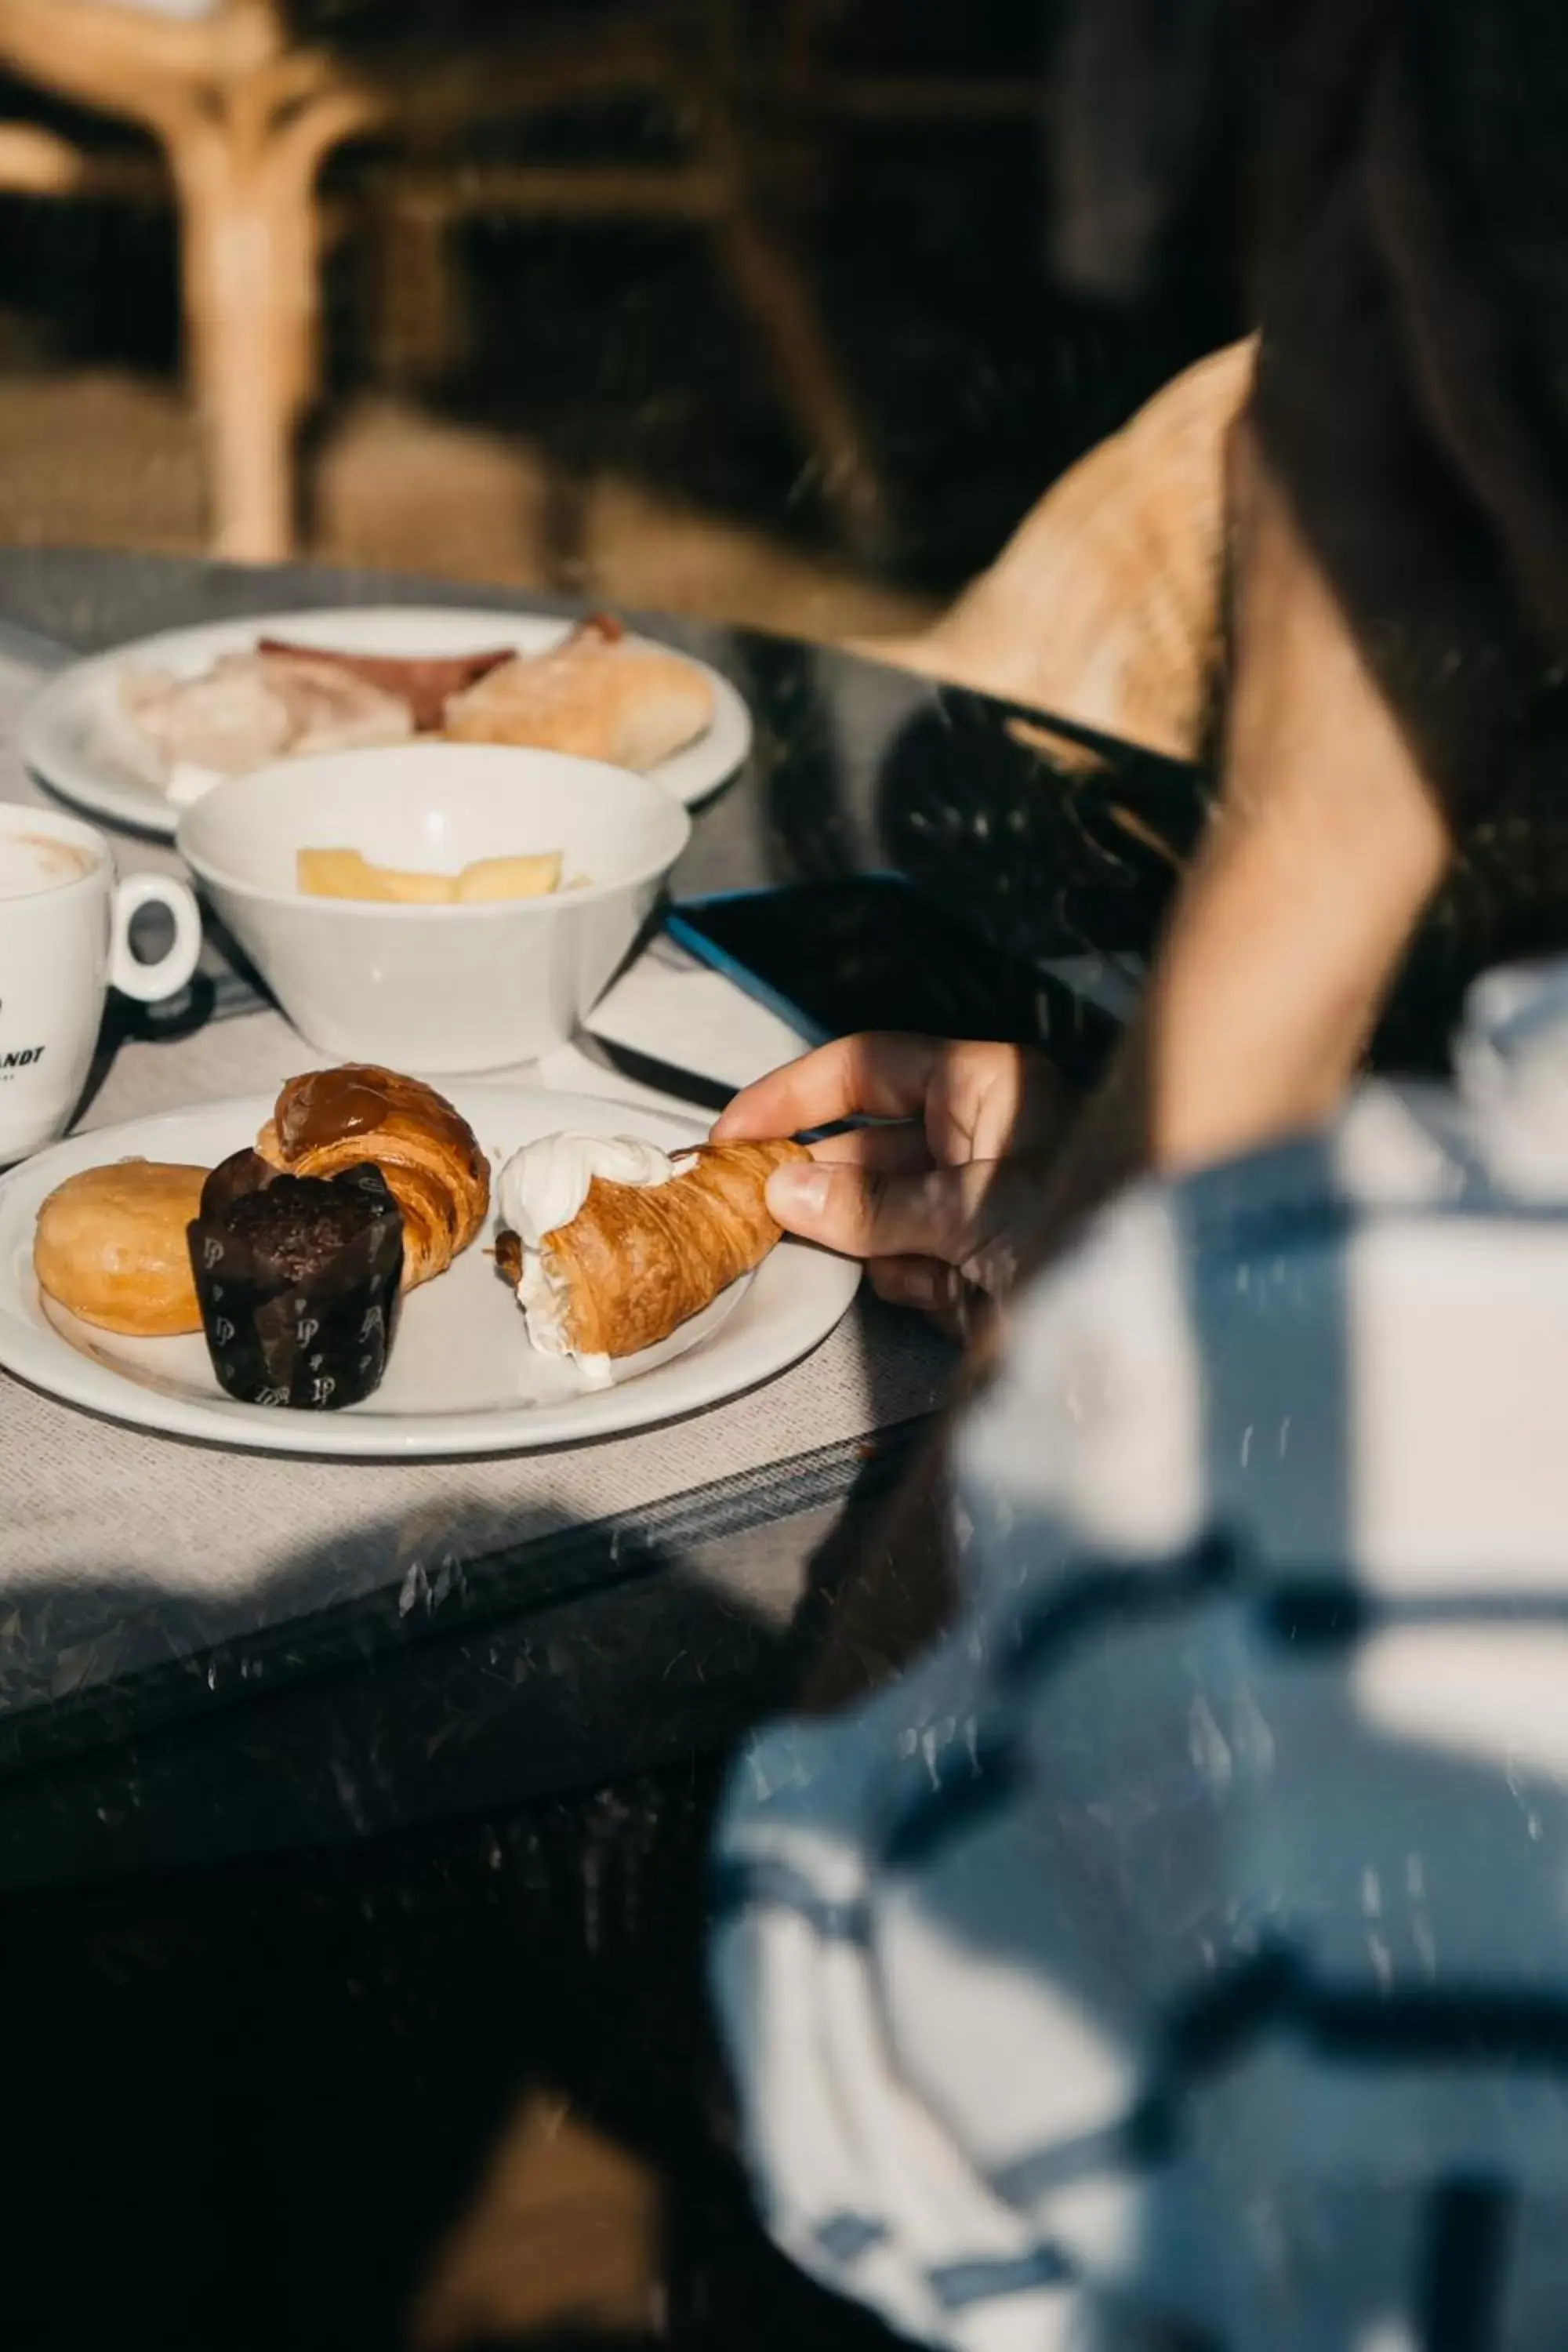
{"points": [[149, 982]]}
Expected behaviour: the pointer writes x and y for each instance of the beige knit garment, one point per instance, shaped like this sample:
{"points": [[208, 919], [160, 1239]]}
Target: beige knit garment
{"points": [[1105, 604]]}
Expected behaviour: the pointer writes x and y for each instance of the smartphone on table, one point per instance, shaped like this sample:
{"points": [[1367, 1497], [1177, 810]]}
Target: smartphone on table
{"points": [[869, 952]]}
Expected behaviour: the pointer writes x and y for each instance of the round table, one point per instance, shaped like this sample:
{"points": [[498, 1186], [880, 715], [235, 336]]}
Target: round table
{"points": [[579, 1654], [365, 1995]]}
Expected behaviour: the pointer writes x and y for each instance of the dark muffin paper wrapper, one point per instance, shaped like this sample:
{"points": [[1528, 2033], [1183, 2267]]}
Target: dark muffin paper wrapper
{"points": [[314, 1343]]}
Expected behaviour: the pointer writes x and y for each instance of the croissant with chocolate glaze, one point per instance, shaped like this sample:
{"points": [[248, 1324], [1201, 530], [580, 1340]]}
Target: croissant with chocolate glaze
{"points": [[638, 1260], [332, 1119]]}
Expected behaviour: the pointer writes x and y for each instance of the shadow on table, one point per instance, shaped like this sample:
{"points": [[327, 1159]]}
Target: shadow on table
{"points": [[429, 2063], [454, 2090], [371, 2010], [496, 1662], [1047, 838]]}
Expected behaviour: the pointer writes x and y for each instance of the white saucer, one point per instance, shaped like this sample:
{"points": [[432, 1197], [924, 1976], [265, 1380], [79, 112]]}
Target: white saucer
{"points": [[68, 736], [463, 1378]]}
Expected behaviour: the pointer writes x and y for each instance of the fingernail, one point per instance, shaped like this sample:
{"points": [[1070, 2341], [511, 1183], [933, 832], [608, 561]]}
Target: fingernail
{"points": [[798, 1194]]}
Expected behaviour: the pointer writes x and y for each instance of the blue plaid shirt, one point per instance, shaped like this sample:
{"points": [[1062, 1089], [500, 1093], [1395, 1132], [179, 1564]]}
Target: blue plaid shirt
{"points": [[1178, 1954]]}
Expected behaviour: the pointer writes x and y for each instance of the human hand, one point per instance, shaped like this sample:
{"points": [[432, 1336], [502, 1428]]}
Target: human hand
{"points": [[938, 1199]]}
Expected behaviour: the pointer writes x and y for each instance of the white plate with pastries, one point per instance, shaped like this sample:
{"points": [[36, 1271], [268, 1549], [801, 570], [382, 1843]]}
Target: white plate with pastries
{"points": [[136, 735], [462, 1376]]}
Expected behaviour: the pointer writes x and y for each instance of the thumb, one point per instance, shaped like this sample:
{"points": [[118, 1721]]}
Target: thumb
{"points": [[968, 1217]]}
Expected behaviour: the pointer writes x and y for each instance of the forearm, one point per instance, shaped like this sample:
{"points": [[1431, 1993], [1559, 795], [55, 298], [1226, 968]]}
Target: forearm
{"points": [[1324, 848]]}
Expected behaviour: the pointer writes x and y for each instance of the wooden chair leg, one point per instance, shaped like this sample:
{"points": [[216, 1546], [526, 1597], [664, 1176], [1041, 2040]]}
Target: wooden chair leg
{"points": [[774, 292], [772, 285], [419, 322], [243, 324], [250, 259]]}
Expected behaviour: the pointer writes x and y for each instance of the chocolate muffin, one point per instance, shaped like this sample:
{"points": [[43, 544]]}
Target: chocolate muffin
{"points": [[242, 1171], [297, 1277]]}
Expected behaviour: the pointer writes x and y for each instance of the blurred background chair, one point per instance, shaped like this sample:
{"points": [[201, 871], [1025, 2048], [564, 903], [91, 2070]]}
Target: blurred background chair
{"points": [[457, 112], [246, 113], [689, 302], [244, 119], [35, 163]]}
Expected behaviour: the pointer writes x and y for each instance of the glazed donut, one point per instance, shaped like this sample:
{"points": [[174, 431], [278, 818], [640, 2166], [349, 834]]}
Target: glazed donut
{"points": [[110, 1244]]}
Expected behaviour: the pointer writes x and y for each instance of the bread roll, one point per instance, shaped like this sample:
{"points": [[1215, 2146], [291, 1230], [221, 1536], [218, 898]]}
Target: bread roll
{"points": [[599, 695]]}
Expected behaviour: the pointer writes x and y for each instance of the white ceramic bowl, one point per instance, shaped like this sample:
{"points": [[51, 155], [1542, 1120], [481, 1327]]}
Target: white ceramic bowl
{"points": [[436, 988]]}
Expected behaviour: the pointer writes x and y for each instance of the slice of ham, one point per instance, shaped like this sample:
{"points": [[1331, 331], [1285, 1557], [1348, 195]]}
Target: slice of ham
{"points": [[334, 710], [424, 683]]}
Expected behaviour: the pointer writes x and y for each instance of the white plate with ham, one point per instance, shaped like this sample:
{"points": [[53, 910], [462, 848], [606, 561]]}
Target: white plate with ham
{"points": [[138, 734]]}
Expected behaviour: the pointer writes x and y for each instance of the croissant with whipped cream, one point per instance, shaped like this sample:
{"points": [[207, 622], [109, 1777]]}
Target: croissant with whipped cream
{"points": [[332, 1119], [611, 1244]]}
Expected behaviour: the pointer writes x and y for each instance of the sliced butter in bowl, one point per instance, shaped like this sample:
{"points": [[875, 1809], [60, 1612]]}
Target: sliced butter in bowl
{"points": [[509, 877], [346, 874]]}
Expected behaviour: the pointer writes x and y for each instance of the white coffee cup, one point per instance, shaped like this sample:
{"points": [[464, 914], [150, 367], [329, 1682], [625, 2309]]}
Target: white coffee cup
{"points": [[65, 939]]}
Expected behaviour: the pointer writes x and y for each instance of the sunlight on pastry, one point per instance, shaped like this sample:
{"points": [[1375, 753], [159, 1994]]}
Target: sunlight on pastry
{"points": [[611, 1243]]}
